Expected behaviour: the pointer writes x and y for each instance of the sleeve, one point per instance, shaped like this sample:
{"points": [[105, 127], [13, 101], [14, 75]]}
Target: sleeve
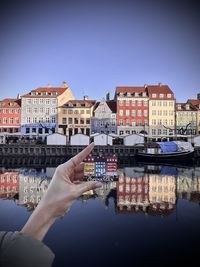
{"points": [[20, 250]]}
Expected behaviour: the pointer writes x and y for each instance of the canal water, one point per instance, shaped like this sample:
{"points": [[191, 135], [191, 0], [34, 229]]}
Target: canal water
{"points": [[149, 216]]}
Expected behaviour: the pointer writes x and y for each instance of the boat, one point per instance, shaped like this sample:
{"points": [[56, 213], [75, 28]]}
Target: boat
{"points": [[166, 151]]}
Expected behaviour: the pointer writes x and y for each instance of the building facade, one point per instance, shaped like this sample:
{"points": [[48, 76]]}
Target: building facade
{"points": [[104, 117], [39, 113], [132, 110], [9, 184], [196, 104], [75, 117], [161, 110], [10, 115], [186, 119]]}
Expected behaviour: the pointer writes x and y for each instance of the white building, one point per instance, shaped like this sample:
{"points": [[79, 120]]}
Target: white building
{"points": [[133, 139], [79, 140], [39, 115], [103, 139], [56, 139]]}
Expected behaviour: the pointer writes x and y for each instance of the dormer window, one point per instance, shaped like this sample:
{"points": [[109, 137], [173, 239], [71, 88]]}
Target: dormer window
{"points": [[179, 107], [78, 105], [144, 94], [11, 104], [136, 94], [70, 104], [87, 105], [129, 94], [153, 95], [33, 93], [1, 104], [53, 93], [43, 93], [187, 106], [121, 94], [161, 95], [169, 95]]}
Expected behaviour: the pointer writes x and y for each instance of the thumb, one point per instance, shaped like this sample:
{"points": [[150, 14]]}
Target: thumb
{"points": [[86, 186]]}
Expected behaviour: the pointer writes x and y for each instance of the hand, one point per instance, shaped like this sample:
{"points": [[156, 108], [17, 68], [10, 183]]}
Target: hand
{"points": [[62, 192]]}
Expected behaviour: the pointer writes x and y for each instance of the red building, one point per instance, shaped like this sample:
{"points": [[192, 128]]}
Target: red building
{"points": [[10, 115], [9, 184], [132, 109], [132, 193]]}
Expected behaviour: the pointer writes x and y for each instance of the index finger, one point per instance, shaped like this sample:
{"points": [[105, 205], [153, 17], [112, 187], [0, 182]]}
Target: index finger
{"points": [[76, 160]]}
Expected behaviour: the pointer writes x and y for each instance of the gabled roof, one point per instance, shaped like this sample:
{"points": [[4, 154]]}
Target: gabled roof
{"points": [[6, 103], [81, 104], [194, 102], [48, 90], [111, 104], [183, 107]]}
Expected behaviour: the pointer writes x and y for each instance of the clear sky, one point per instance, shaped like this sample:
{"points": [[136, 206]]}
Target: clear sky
{"points": [[97, 45]]}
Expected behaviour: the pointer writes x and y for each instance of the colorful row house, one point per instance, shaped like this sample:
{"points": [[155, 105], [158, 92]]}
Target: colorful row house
{"points": [[74, 117], [10, 116], [9, 184], [39, 111]]}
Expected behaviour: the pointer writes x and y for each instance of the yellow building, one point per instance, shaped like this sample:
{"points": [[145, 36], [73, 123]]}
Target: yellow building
{"points": [[196, 104], [161, 110], [75, 117], [162, 189], [186, 119]]}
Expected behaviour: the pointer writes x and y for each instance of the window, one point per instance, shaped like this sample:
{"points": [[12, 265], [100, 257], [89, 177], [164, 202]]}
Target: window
{"points": [[159, 131], [139, 103], [121, 112], [11, 120], [153, 103], [53, 110], [47, 111], [159, 122], [127, 112], [16, 120], [75, 121], [28, 110], [139, 113], [35, 110], [169, 95], [70, 120], [53, 101], [70, 111], [64, 120], [121, 122], [76, 111], [40, 130], [82, 121], [139, 122], [47, 101], [88, 111], [34, 119], [33, 130], [164, 103], [127, 102], [27, 130], [87, 121], [165, 113], [161, 95], [145, 103], [121, 102], [153, 131], [133, 123], [159, 112], [41, 101], [133, 102], [28, 101], [35, 101], [82, 111], [47, 119], [53, 119], [153, 95], [28, 119], [127, 122], [133, 113]]}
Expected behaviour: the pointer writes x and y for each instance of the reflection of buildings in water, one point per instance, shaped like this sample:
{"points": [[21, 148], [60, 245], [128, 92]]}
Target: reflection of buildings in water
{"points": [[32, 187], [132, 193], [188, 187], [162, 193], [150, 193], [9, 184]]}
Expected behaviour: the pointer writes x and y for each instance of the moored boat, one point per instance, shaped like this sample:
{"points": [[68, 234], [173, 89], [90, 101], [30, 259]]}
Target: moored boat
{"points": [[166, 151]]}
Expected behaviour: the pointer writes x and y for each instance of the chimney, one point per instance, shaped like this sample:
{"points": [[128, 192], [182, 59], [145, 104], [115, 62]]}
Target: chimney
{"points": [[85, 97], [145, 86], [107, 96], [18, 96], [198, 96], [159, 84], [48, 85], [64, 85]]}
